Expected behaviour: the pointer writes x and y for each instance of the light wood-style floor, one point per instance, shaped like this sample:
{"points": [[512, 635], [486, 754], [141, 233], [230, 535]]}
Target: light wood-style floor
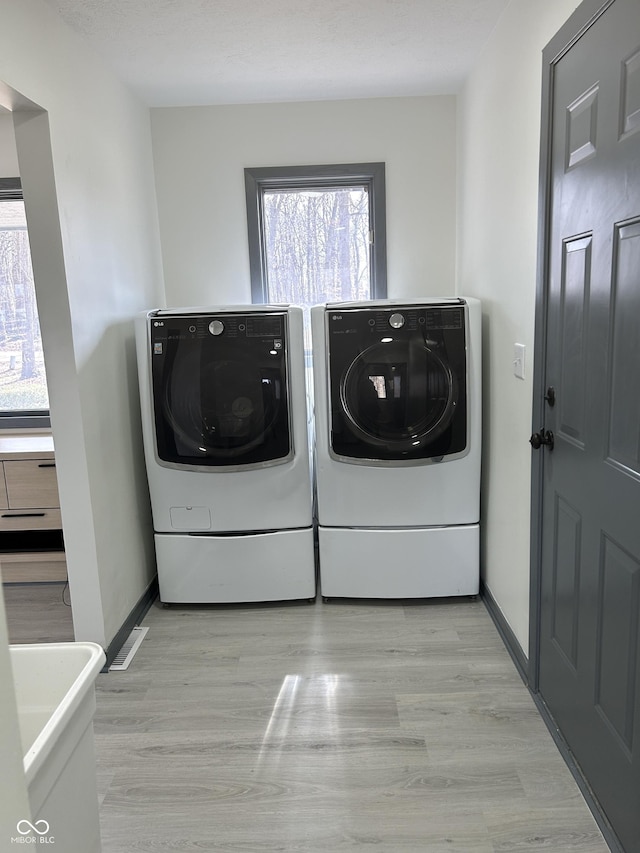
{"points": [[389, 727], [38, 612]]}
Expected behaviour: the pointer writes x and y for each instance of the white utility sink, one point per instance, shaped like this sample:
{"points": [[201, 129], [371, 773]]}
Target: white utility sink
{"points": [[55, 695]]}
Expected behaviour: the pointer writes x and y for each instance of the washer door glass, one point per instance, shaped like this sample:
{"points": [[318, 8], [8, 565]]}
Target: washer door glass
{"points": [[398, 395], [224, 407]]}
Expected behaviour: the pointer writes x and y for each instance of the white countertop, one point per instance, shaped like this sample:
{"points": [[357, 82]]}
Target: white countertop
{"points": [[26, 446]]}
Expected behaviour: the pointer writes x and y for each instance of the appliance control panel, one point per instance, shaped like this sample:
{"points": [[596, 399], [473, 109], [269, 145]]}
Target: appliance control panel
{"points": [[201, 327], [397, 318]]}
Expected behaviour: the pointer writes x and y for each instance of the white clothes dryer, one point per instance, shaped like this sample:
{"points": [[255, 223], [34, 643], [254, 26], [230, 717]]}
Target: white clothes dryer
{"points": [[224, 418], [398, 430]]}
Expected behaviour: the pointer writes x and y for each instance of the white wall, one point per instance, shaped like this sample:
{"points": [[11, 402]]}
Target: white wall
{"points": [[8, 154], [14, 802], [499, 132], [200, 154], [87, 174]]}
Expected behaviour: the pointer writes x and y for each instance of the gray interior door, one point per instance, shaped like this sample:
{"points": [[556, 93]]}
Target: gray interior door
{"points": [[589, 652]]}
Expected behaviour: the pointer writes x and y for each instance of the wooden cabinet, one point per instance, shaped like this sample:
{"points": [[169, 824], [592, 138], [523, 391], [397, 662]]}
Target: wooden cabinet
{"points": [[30, 495], [30, 520]]}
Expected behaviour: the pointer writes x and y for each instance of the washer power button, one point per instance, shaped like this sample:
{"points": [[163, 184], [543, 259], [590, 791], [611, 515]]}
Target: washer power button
{"points": [[216, 327], [396, 321]]}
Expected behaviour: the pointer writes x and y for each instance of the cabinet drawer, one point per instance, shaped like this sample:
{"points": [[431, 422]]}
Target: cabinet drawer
{"points": [[31, 483], [4, 501], [30, 519]]}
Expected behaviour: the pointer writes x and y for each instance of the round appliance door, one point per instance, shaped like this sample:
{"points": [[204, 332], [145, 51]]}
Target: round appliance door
{"points": [[220, 391], [234, 410], [398, 395]]}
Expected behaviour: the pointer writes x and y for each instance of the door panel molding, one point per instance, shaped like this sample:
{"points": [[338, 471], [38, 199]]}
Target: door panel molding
{"points": [[566, 583], [573, 318], [618, 628], [582, 120], [630, 96], [623, 441]]}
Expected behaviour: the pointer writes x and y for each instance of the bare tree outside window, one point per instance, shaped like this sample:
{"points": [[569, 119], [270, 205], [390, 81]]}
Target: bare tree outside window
{"points": [[317, 245], [23, 386]]}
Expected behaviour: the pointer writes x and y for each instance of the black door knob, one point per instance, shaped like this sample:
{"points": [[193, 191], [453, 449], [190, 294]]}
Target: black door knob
{"points": [[543, 437]]}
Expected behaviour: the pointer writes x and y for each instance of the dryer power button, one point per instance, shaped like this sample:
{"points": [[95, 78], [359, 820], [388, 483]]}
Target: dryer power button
{"points": [[216, 327], [396, 321]]}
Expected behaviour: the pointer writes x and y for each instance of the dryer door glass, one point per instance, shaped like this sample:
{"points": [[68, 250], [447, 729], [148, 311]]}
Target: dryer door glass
{"points": [[398, 395], [220, 391], [397, 382]]}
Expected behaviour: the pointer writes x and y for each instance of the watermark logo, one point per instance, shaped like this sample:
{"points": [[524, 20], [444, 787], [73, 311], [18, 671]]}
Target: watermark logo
{"points": [[33, 833]]}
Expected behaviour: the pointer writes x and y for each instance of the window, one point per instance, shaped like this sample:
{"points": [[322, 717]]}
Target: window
{"points": [[317, 233], [24, 401]]}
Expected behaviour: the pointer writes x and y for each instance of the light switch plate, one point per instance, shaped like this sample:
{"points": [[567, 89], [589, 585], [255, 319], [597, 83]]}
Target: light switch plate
{"points": [[519, 351]]}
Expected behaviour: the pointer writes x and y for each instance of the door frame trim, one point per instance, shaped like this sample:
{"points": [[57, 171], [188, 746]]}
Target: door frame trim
{"points": [[577, 24]]}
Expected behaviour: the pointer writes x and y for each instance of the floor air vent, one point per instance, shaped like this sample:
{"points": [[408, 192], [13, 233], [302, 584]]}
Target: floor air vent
{"points": [[131, 645]]}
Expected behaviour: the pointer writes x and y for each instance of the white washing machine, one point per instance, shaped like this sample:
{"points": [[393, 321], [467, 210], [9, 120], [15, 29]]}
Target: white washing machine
{"points": [[224, 419], [398, 429]]}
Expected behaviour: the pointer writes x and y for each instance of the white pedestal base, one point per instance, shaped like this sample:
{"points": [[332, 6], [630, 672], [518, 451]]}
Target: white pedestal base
{"points": [[274, 566], [399, 563]]}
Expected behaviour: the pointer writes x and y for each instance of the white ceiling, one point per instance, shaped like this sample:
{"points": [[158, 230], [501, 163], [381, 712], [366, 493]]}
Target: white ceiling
{"points": [[193, 52]]}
